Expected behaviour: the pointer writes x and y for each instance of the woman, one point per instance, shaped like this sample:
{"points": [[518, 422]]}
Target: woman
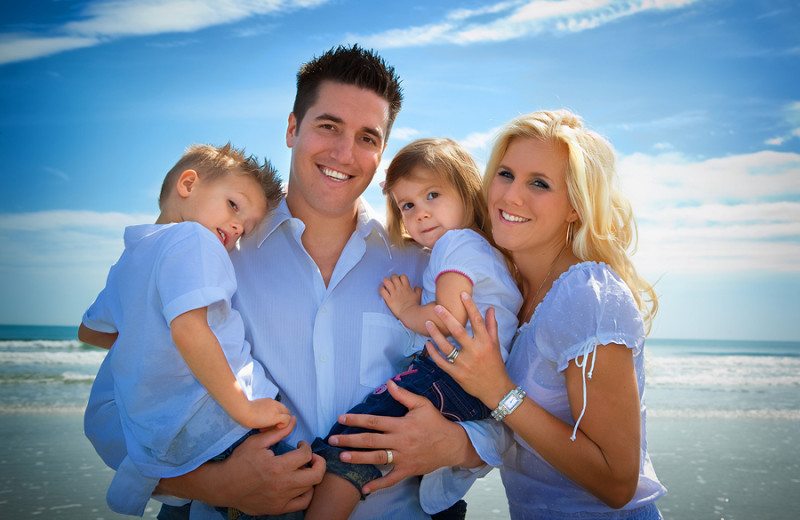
{"points": [[579, 447]]}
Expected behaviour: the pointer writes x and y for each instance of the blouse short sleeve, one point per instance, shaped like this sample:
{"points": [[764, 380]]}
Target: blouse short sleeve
{"points": [[590, 306]]}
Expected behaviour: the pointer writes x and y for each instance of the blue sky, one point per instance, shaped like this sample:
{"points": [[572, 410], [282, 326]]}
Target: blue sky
{"points": [[98, 99]]}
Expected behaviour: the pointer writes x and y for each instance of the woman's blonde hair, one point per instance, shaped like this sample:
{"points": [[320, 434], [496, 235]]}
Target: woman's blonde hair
{"points": [[606, 228], [450, 162]]}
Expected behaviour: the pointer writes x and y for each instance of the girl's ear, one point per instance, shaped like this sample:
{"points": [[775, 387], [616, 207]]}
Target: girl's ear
{"points": [[187, 182]]}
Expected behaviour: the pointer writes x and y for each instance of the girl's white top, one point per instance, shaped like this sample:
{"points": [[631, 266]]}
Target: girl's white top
{"points": [[466, 252], [589, 305], [171, 423]]}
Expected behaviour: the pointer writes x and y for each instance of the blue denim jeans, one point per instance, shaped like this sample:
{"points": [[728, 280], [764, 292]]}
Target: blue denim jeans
{"points": [[182, 512], [422, 377]]}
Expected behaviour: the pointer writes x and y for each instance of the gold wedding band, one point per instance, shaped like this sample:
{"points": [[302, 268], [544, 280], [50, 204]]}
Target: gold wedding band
{"points": [[389, 456]]}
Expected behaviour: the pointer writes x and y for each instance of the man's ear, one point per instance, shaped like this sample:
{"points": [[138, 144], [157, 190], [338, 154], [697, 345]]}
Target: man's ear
{"points": [[187, 182], [290, 130]]}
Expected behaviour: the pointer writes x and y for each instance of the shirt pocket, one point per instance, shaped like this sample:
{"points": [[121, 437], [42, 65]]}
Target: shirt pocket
{"points": [[385, 347]]}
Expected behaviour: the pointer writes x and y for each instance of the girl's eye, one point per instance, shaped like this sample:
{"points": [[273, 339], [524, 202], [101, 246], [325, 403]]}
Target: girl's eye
{"points": [[432, 195], [407, 206]]}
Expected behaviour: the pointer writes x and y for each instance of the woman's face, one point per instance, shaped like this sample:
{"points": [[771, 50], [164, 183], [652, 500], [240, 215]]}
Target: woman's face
{"points": [[528, 199]]}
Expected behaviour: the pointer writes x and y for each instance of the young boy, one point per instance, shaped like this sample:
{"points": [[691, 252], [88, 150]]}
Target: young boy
{"points": [[187, 385]]}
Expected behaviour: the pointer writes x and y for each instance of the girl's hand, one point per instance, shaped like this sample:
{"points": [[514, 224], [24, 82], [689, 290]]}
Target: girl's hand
{"points": [[479, 367], [399, 295]]}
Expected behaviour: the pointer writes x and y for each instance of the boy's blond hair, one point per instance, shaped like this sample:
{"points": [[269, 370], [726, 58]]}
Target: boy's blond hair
{"points": [[212, 162]]}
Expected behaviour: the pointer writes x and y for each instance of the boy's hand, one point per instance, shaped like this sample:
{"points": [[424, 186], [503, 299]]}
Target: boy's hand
{"points": [[399, 295], [267, 413]]}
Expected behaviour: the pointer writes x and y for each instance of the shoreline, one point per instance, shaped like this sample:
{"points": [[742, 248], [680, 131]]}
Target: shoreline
{"points": [[714, 468]]}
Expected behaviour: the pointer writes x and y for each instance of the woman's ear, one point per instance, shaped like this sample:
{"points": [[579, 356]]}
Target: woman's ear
{"points": [[187, 182], [572, 216]]}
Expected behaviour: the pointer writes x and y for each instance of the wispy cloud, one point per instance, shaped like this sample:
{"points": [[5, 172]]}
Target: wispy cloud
{"points": [[103, 21], [791, 114], [514, 19], [719, 215]]}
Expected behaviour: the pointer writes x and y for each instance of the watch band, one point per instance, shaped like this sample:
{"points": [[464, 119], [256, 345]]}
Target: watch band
{"points": [[509, 403]]}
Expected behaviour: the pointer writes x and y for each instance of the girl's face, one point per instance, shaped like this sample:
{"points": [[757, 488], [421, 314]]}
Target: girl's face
{"points": [[528, 198], [429, 206]]}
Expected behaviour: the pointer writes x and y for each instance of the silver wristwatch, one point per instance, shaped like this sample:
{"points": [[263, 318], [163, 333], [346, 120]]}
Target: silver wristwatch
{"points": [[509, 403]]}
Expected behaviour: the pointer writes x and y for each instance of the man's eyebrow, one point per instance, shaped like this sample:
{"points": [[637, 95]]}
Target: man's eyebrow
{"points": [[336, 119]]}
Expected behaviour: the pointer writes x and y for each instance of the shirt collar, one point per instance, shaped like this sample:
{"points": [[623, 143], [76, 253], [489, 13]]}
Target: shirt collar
{"points": [[367, 221]]}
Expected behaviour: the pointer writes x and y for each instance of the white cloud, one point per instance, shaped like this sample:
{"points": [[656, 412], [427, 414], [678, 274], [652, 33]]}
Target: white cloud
{"points": [[102, 21], [513, 20], [719, 215]]}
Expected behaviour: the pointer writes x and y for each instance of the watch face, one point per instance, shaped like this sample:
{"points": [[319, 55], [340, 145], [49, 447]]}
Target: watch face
{"points": [[511, 401]]}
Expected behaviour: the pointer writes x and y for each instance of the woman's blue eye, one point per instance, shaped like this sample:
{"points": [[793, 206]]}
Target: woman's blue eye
{"points": [[432, 195], [505, 173], [541, 184]]}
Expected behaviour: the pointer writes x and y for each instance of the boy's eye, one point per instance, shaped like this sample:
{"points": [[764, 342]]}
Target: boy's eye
{"points": [[233, 205], [432, 195]]}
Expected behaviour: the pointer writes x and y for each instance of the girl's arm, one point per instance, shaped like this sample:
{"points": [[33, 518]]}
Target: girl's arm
{"points": [[604, 457], [404, 301], [98, 339], [202, 352]]}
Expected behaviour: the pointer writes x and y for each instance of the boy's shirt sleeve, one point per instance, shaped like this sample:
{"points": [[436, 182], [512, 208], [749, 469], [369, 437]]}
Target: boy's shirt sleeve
{"points": [[196, 272]]}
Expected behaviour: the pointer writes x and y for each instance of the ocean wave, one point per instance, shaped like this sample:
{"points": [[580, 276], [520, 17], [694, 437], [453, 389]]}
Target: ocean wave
{"points": [[91, 358], [723, 371], [689, 413], [20, 344]]}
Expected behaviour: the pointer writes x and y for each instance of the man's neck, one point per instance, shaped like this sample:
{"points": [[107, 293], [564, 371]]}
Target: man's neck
{"points": [[325, 235]]}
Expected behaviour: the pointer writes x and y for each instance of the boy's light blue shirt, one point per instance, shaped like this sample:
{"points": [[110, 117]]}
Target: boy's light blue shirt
{"points": [[171, 424]]}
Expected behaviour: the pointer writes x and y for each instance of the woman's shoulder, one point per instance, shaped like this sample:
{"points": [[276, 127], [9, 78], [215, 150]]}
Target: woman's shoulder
{"points": [[588, 303]]}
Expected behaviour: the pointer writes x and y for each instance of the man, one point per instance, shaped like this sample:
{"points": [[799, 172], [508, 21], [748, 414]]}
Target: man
{"points": [[308, 292]]}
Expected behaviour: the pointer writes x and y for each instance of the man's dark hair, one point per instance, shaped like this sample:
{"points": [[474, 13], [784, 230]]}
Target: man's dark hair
{"points": [[350, 66]]}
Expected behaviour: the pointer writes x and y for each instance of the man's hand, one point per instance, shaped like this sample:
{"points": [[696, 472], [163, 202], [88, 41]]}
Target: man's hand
{"points": [[253, 479], [421, 441]]}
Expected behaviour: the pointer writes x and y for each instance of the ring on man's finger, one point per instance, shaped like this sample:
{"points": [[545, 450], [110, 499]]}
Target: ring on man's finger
{"points": [[451, 357], [389, 456]]}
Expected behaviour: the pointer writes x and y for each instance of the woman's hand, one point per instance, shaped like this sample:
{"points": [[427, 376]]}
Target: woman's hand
{"points": [[479, 367], [421, 441]]}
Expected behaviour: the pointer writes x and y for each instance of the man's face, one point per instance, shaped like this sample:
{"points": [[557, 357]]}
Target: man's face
{"points": [[335, 150]]}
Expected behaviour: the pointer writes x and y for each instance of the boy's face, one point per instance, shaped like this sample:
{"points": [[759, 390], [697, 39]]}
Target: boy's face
{"points": [[228, 206], [336, 149]]}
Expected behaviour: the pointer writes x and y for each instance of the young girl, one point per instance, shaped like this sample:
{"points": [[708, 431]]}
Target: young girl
{"points": [[435, 200]]}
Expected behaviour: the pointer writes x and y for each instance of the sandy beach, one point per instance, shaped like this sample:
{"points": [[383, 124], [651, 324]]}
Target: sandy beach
{"points": [[715, 468]]}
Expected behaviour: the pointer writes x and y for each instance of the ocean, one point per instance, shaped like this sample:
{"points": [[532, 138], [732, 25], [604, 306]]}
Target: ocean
{"points": [[723, 427]]}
